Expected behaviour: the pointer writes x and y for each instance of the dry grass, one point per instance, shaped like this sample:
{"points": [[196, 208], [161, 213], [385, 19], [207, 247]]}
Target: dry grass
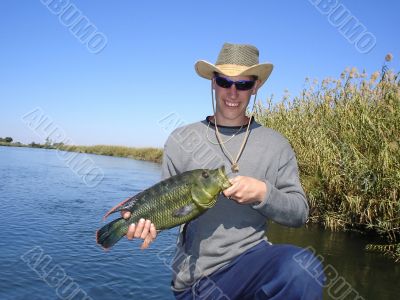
{"points": [[346, 134], [148, 154]]}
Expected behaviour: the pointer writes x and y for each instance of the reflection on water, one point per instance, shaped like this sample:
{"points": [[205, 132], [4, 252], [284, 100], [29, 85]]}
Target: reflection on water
{"points": [[46, 206], [373, 276]]}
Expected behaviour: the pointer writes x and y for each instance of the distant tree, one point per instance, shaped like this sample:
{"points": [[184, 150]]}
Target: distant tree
{"points": [[48, 142], [8, 139]]}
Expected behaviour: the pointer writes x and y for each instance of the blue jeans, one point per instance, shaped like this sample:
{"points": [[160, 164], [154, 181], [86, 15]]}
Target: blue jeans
{"points": [[263, 272]]}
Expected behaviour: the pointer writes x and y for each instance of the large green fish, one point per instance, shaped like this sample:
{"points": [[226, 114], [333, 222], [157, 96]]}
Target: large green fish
{"points": [[169, 203]]}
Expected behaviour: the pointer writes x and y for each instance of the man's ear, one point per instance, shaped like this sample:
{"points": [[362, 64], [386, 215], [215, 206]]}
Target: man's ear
{"points": [[255, 87]]}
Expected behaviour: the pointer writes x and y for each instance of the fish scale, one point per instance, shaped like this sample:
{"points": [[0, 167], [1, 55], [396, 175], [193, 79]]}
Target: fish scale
{"points": [[169, 203], [165, 203]]}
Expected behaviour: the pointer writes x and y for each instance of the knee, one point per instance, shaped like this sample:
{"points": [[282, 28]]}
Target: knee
{"points": [[296, 275], [301, 266]]}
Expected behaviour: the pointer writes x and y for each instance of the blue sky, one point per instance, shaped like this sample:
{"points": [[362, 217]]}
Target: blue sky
{"points": [[145, 72]]}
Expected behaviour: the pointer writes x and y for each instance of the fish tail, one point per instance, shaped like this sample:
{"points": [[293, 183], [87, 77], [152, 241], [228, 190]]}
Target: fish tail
{"points": [[115, 208], [111, 233]]}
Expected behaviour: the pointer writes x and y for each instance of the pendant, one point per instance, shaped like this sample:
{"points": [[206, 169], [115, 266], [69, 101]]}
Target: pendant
{"points": [[235, 168]]}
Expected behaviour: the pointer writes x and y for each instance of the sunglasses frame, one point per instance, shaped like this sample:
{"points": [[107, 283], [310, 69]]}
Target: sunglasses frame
{"points": [[239, 84]]}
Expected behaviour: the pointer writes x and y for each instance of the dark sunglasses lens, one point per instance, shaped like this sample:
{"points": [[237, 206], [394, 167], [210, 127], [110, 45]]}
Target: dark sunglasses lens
{"points": [[244, 85], [241, 85], [222, 82]]}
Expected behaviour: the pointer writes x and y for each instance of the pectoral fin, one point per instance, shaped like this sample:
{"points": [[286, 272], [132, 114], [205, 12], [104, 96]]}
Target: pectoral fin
{"points": [[184, 210]]}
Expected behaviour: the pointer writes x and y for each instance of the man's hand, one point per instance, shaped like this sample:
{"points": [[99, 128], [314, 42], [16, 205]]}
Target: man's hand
{"points": [[144, 230], [246, 190]]}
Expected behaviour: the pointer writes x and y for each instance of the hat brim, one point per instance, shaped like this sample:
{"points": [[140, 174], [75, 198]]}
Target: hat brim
{"points": [[206, 70]]}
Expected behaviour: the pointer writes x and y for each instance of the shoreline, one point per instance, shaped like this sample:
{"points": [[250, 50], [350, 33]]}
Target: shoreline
{"points": [[145, 154]]}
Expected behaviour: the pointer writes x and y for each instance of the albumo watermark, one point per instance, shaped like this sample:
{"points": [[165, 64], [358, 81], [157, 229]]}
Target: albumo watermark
{"points": [[53, 274], [347, 24], [191, 142], [82, 165], [205, 287], [78, 24], [337, 286]]}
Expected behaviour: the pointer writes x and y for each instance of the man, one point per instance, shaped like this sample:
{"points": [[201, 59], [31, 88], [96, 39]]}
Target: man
{"points": [[224, 254]]}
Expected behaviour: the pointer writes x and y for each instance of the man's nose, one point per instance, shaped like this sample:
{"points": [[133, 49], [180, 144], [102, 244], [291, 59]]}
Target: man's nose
{"points": [[233, 92]]}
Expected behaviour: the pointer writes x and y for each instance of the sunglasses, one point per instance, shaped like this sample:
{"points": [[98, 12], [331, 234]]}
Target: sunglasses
{"points": [[241, 85]]}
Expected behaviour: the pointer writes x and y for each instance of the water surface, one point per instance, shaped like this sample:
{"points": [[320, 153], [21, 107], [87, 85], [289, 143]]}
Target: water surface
{"points": [[49, 216]]}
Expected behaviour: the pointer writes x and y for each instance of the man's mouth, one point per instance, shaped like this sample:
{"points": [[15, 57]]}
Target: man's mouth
{"points": [[232, 104]]}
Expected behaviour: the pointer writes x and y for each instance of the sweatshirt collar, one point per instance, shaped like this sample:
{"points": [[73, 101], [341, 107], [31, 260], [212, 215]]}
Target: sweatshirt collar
{"points": [[208, 120]]}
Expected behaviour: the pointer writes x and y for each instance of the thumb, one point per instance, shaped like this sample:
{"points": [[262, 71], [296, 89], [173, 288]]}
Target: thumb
{"points": [[125, 214]]}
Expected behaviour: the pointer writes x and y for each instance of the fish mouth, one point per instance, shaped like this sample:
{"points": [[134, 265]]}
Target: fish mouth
{"points": [[225, 183]]}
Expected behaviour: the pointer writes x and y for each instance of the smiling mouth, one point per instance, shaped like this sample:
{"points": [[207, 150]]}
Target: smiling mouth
{"points": [[231, 104]]}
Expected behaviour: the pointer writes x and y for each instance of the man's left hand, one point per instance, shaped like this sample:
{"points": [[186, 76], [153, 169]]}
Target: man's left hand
{"points": [[246, 190]]}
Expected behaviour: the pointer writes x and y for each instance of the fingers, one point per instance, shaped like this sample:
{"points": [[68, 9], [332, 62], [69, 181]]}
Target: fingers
{"points": [[135, 231], [139, 228], [246, 190], [149, 238], [146, 242], [125, 214], [153, 231], [131, 231], [233, 188], [144, 229], [235, 179]]}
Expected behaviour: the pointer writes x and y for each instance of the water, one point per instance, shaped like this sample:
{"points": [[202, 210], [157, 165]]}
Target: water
{"points": [[49, 217], [46, 207], [370, 275]]}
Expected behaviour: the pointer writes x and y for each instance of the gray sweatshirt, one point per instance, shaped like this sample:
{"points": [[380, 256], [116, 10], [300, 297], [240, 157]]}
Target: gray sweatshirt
{"points": [[223, 232]]}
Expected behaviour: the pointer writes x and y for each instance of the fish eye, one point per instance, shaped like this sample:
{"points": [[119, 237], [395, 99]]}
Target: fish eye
{"points": [[205, 174]]}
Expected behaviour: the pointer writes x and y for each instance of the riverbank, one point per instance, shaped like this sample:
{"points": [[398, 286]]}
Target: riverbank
{"points": [[146, 154]]}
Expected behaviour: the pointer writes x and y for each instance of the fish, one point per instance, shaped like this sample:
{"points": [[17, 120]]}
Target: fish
{"points": [[169, 203]]}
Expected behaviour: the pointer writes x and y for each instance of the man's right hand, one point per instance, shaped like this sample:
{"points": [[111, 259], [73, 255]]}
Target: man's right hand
{"points": [[144, 229]]}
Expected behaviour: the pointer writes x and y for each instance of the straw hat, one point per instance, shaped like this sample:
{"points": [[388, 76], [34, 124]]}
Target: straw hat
{"points": [[235, 60]]}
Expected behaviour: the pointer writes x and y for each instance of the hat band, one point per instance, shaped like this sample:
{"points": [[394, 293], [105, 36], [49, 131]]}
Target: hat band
{"points": [[232, 70]]}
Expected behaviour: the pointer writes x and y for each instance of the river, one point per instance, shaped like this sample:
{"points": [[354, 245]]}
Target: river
{"points": [[50, 212]]}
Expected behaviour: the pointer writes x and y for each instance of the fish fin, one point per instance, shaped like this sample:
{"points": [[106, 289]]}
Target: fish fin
{"points": [[116, 208], [111, 233], [183, 211]]}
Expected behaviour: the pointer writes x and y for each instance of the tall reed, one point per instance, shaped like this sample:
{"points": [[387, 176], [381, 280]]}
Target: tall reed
{"points": [[346, 135]]}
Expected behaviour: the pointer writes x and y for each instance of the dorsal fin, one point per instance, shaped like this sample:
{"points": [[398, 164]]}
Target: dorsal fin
{"points": [[118, 207]]}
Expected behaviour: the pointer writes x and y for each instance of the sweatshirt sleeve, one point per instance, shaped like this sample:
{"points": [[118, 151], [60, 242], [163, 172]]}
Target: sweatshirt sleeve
{"points": [[168, 167], [285, 201]]}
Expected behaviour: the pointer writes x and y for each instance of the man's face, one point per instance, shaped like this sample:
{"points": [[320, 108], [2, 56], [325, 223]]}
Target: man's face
{"points": [[232, 103]]}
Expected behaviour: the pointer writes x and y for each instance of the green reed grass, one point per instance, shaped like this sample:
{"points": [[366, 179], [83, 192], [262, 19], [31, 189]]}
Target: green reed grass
{"points": [[346, 135], [148, 154]]}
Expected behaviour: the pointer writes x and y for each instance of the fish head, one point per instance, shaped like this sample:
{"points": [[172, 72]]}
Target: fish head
{"points": [[208, 184]]}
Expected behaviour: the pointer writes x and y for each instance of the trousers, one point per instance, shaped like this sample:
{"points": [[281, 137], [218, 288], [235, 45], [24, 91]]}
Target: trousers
{"points": [[263, 272]]}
